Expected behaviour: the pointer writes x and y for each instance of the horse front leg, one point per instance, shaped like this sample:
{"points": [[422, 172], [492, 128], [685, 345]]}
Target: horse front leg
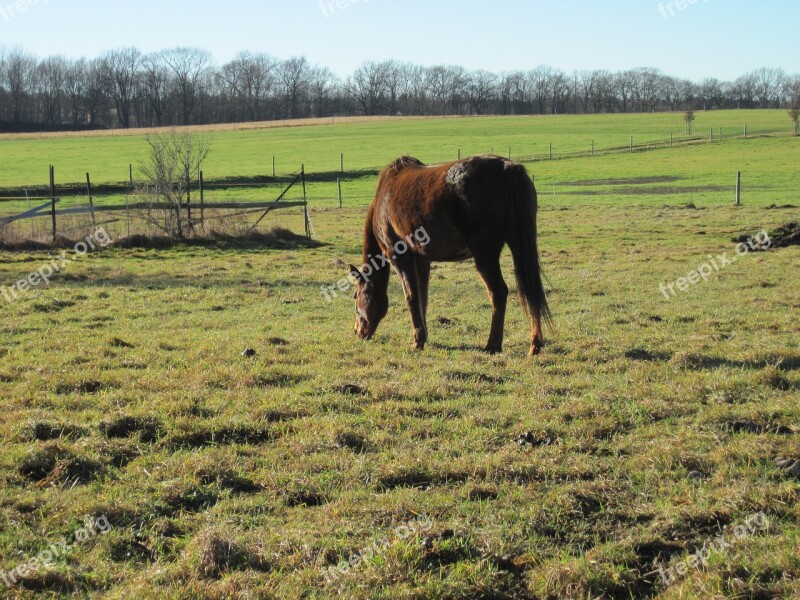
{"points": [[423, 281], [416, 296]]}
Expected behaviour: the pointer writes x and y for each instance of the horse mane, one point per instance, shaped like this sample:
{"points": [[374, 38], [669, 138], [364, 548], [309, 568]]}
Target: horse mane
{"points": [[405, 162]]}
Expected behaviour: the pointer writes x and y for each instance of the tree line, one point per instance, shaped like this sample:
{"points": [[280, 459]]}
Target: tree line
{"points": [[183, 86]]}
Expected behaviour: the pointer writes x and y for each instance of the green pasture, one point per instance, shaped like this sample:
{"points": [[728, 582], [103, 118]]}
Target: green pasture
{"points": [[656, 425]]}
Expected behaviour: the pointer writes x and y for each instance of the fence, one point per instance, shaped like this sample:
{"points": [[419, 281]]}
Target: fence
{"points": [[69, 209]]}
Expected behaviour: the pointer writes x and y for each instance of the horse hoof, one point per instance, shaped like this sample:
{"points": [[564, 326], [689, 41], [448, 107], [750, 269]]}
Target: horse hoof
{"points": [[493, 350], [535, 351]]}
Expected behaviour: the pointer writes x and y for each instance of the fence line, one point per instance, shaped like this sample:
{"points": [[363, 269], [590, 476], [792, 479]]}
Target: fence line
{"points": [[244, 206]]}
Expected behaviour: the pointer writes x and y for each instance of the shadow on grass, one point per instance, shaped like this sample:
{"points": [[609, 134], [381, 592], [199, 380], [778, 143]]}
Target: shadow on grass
{"points": [[277, 238]]}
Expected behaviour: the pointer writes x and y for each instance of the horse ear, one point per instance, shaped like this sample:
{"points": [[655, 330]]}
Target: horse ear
{"points": [[355, 272]]}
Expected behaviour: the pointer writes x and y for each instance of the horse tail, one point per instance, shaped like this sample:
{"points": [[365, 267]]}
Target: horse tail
{"points": [[522, 233]]}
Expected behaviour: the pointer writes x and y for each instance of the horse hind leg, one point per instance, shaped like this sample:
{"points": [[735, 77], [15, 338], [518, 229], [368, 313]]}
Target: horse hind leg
{"points": [[537, 339], [490, 272]]}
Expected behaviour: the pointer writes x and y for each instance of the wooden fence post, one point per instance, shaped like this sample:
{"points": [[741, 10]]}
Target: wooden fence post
{"points": [[188, 197], [631, 143], [551, 150], [339, 184], [91, 199], [130, 177], [202, 202], [273, 166], [341, 163], [738, 188], [305, 202], [53, 200]]}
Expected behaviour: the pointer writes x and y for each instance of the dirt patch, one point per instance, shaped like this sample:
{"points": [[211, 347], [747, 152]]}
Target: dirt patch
{"points": [[350, 440], [227, 436], [148, 428], [787, 235], [45, 432]]}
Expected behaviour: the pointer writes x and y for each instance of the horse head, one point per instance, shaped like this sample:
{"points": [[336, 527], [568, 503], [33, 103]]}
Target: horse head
{"points": [[372, 303]]}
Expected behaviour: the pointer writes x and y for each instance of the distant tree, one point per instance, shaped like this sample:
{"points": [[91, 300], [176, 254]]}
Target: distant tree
{"points": [[540, 79], [155, 80], [481, 90], [768, 84], [20, 77], [189, 66], [293, 74], [51, 74], [322, 84], [120, 74], [94, 97], [689, 118], [367, 86], [794, 115], [393, 83], [75, 82], [173, 160]]}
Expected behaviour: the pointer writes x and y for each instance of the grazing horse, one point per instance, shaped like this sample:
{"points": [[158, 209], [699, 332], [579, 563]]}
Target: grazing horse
{"points": [[466, 209]]}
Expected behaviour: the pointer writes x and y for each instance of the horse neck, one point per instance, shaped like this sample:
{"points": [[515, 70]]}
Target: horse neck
{"points": [[373, 249]]}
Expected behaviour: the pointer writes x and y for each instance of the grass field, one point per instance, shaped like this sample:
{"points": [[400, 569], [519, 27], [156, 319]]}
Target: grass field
{"points": [[657, 426]]}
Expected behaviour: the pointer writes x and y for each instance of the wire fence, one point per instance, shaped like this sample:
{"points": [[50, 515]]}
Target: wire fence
{"points": [[68, 212]]}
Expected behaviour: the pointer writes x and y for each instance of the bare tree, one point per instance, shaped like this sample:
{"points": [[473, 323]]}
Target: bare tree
{"points": [[51, 74], [414, 77], [293, 74], [121, 71], [367, 86], [94, 91], [623, 88], [688, 118], [559, 88], [155, 80], [75, 91], [322, 83], [189, 67], [20, 78], [541, 81], [767, 85], [393, 83], [481, 90], [794, 115], [173, 161]]}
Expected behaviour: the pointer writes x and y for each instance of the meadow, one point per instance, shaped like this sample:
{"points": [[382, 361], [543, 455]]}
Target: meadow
{"points": [[240, 441]]}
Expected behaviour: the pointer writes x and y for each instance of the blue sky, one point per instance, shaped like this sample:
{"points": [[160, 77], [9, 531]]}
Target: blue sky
{"points": [[719, 38]]}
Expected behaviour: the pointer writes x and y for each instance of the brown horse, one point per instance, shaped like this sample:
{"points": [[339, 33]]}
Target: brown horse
{"points": [[467, 209]]}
